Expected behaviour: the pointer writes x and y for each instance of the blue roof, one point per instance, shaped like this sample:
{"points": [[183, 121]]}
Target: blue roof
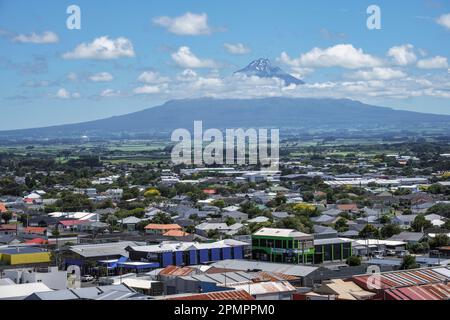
{"points": [[387, 262], [21, 250]]}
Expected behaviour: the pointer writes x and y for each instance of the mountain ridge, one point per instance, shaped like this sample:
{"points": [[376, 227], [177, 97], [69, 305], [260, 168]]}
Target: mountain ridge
{"points": [[274, 112]]}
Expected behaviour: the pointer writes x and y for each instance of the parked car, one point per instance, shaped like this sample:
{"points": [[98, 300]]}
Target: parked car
{"points": [[390, 252], [87, 278], [402, 253]]}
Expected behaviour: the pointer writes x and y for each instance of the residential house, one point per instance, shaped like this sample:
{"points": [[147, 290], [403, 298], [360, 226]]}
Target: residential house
{"points": [[160, 229], [236, 215], [404, 221]]}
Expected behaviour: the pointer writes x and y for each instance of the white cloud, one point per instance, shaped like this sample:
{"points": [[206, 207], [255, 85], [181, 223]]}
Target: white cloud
{"points": [[45, 37], [437, 62], [403, 55], [187, 24], [300, 72], [186, 59], [72, 76], [147, 90], [65, 94], [236, 48], [102, 48], [378, 74], [341, 55], [109, 93], [187, 75], [101, 77], [444, 20], [152, 77]]}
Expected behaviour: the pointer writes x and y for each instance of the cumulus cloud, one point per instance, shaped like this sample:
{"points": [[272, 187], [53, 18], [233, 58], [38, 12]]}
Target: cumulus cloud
{"points": [[72, 76], [403, 55], [444, 20], [341, 55], [186, 59], [43, 38], [102, 48], [152, 77], [110, 93], [187, 75], [188, 24], [236, 48], [65, 94], [101, 77], [148, 89], [378, 74], [437, 62]]}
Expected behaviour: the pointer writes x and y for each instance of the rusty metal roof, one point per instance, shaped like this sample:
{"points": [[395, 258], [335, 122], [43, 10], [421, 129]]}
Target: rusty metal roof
{"points": [[176, 271], [221, 295], [437, 291], [396, 279]]}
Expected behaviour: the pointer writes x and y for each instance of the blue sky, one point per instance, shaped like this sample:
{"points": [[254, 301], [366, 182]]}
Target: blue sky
{"points": [[154, 51]]}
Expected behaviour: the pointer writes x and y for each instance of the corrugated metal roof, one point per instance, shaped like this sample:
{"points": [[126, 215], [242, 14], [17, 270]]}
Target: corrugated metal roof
{"points": [[261, 288], [274, 276], [437, 291], [244, 265], [176, 271], [221, 295], [403, 278]]}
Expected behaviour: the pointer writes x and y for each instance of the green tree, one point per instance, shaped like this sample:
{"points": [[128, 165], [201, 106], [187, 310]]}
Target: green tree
{"points": [[55, 232], [446, 225], [420, 223], [152, 193], [385, 219], [140, 226], [230, 221], [390, 230], [341, 225], [213, 234], [7, 216], [162, 218], [409, 262], [219, 203], [440, 240], [353, 261], [82, 183], [112, 221], [369, 231]]}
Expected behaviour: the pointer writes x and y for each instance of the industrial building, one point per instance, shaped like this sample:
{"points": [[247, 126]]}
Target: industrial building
{"points": [[291, 246], [187, 253]]}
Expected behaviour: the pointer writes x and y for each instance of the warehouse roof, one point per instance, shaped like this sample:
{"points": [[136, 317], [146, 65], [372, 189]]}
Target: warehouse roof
{"points": [[18, 291], [261, 288], [436, 291], [272, 232], [395, 279], [244, 265], [104, 249], [184, 246], [221, 295]]}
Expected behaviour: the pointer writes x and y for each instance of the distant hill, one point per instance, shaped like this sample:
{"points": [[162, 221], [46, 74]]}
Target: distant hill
{"points": [[282, 113]]}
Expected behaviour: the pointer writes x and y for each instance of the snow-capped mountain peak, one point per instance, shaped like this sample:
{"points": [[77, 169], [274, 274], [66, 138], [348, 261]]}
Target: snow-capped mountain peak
{"points": [[264, 69]]}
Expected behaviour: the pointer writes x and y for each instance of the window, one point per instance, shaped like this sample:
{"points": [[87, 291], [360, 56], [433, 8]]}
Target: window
{"points": [[289, 244], [262, 242], [296, 244], [278, 243], [337, 251], [255, 242]]}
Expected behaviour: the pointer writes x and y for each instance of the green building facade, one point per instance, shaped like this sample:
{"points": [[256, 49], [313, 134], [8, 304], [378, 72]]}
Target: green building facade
{"points": [[291, 246]]}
